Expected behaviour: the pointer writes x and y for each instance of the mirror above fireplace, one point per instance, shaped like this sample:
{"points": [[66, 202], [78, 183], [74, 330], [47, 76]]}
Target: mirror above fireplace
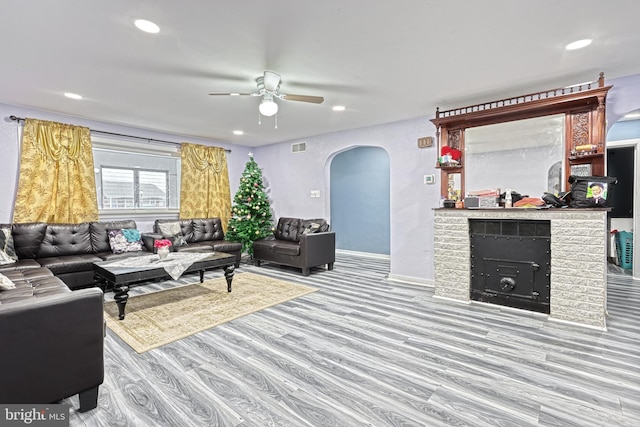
{"points": [[524, 155]]}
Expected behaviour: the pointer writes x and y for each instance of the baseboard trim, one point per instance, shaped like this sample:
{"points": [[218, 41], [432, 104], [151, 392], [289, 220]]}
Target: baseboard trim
{"points": [[364, 254], [581, 325], [459, 301], [411, 280]]}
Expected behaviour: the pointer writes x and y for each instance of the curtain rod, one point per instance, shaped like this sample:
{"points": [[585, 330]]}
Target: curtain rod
{"points": [[22, 119]]}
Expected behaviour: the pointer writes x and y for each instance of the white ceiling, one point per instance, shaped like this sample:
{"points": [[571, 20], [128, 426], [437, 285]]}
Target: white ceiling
{"points": [[384, 60]]}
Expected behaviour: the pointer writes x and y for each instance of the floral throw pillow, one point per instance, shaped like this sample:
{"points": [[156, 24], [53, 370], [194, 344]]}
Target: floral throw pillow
{"points": [[125, 240], [7, 251]]}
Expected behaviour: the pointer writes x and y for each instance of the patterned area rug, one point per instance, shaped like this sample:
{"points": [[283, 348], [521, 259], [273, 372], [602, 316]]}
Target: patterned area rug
{"points": [[159, 318]]}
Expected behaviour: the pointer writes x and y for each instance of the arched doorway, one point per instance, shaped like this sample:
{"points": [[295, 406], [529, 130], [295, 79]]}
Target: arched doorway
{"points": [[360, 200]]}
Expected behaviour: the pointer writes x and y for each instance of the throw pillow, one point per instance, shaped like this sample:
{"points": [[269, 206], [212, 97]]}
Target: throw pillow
{"points": [[131, 235], [7, 250], [121, 241], [6, 283], [311, 228], [173, 231]]}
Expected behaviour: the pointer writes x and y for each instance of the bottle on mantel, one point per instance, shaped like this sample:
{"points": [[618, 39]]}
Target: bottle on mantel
{"points": [[508, 203]]}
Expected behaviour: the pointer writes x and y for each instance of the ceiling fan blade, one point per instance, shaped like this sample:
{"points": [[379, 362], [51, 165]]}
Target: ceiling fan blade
{"points": [[233, 94], [271, 81], [302, 98]]}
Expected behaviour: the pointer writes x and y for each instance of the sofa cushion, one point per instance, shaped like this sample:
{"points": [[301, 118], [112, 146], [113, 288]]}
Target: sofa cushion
{"points": [[31, 283], [121, 242], [205, 229], [226, 246], [29, 274], [109, 256], [27, 238], [288, 229], [277, 247], [69, 263], [100, 236], [206, 246], [21, 264], [285, 248], [66, 239], [7, 251]]}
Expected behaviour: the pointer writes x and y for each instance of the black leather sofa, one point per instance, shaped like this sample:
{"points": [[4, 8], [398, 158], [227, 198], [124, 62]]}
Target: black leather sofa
{"points": [[51, 339], [196, 235], [301, 243], [67, 250]]}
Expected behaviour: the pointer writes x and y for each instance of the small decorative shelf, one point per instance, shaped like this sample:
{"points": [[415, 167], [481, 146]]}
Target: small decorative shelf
{"points": [[448, 166], [585, 156]]}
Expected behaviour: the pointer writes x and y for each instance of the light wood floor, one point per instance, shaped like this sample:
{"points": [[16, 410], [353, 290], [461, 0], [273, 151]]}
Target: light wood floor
{"points": [[364, 351]]}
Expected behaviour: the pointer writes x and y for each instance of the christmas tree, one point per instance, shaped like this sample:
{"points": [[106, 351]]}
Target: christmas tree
{"points": [[251, 212]]}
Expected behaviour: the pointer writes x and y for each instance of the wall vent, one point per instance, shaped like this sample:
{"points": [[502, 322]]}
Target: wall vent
{"points": [[299, 147]]}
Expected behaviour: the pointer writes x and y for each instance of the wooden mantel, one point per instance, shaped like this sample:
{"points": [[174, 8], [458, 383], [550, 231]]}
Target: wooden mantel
{"points": [[585, 123]]}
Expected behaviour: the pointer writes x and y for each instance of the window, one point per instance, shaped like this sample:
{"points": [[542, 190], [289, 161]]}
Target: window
{"points": [[134, 188], [136, 177]]}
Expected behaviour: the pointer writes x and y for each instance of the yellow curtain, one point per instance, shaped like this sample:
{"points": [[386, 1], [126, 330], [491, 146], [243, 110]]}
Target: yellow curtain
{"points": [[204, 183], [57, 181]]}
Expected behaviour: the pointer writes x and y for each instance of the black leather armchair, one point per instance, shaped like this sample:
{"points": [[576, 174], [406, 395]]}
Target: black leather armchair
{"points": [[301, 243], [51, 342]]}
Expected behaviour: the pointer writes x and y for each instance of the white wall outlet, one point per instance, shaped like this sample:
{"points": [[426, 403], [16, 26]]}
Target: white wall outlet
{"points": [[430, 179]]}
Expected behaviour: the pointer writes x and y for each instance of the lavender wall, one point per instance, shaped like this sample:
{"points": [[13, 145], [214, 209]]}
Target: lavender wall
{"points": [[411, 200], [623, 97]]}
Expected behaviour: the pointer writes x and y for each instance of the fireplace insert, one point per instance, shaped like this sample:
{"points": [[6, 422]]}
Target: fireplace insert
{"points": [[511, 263]]}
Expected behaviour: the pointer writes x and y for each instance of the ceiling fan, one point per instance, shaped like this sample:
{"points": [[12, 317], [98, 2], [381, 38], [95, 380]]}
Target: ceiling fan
{"points": [[269, 89]]}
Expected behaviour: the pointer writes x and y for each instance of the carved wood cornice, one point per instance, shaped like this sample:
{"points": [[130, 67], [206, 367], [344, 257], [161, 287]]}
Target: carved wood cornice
{"points": [[553, 101]]}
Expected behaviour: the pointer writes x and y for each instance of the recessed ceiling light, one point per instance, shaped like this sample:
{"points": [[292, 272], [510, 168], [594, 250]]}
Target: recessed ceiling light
{"points": [[72, 95], [147, 26], [632, 116], [339, 108], [578, 44], [238, 132]]}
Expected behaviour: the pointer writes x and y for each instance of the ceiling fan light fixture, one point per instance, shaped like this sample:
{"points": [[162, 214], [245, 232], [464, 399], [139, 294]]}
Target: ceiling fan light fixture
{"points": [[268, 107]]}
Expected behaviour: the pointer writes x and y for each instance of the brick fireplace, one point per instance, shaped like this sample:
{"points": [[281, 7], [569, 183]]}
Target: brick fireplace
{"points": [[578, 258]]}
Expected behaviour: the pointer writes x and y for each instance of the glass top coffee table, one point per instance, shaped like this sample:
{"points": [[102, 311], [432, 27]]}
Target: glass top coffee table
{"points": [[121, 273]]}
